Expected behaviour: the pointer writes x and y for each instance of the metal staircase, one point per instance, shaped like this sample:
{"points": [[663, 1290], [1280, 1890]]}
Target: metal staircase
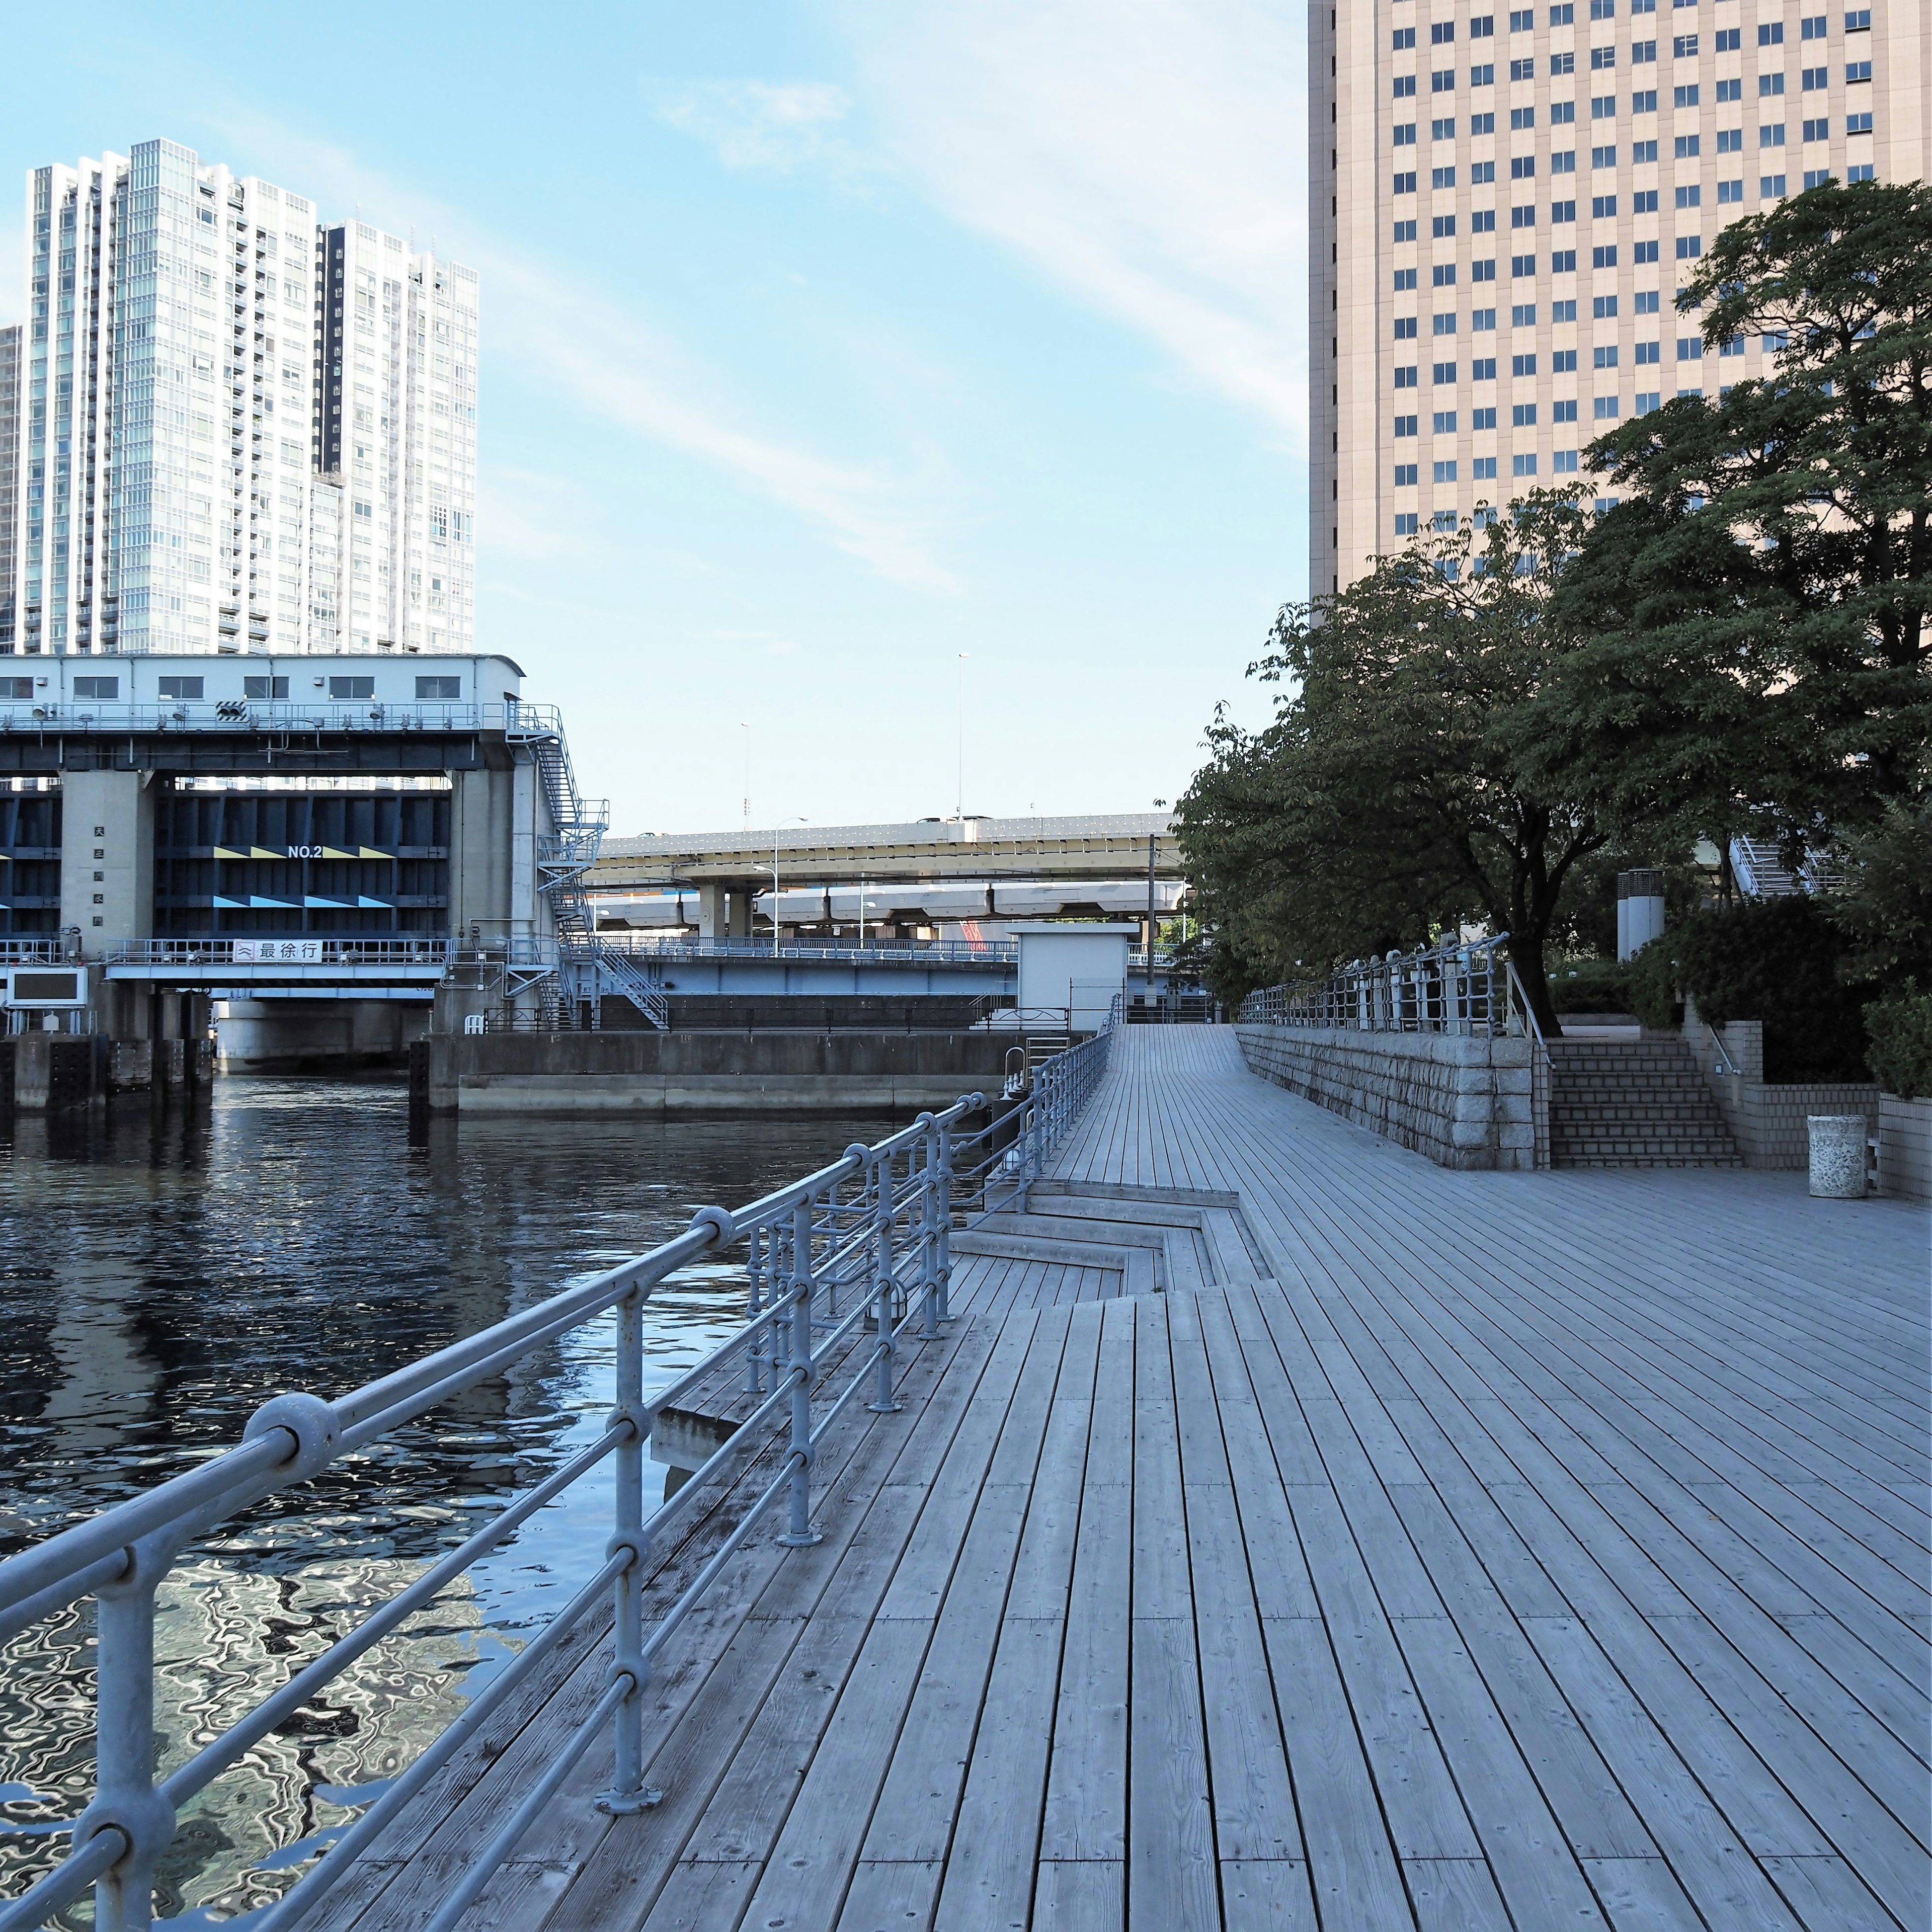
{"points": [[587, 968]]}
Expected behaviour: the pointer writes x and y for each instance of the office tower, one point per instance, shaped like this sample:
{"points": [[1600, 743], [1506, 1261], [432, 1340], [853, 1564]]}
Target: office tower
{"points": [[1505, 201], [10, 456], [177, 402]]}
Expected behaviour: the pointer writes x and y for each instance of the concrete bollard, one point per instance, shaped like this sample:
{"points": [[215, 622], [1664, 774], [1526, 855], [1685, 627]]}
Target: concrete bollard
{"points": [[1837, 1156]]}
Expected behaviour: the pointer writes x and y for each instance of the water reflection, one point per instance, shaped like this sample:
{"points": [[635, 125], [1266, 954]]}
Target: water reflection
{"points": [[162, 1271]]}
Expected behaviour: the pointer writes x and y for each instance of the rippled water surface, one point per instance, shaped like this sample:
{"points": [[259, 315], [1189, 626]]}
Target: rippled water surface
{"points": [[161, 1273]]}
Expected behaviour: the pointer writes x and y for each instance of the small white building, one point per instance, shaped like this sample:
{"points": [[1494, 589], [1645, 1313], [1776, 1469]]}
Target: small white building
{"points": [[1077, 970]]}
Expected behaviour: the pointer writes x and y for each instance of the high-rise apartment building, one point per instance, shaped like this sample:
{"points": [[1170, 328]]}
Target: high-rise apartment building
{"points": [[10, 473], [1504, 202], [241, 429]]}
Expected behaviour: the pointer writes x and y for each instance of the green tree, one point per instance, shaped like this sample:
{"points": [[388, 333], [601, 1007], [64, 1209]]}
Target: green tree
{"points": [[1753, 616], [1390, 794]]}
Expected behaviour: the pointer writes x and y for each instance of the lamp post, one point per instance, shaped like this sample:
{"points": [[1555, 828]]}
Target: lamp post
{"points": [[774, 886], [959, 793]]}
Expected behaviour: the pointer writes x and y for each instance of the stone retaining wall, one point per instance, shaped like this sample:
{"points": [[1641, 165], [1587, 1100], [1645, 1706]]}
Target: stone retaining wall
{"points": [[1464, 1102]]}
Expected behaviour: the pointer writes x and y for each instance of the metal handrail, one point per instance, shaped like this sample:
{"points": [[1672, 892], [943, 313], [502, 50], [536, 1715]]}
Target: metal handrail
{"points": [[868, 1232], [1454, 989], [307, 950]]}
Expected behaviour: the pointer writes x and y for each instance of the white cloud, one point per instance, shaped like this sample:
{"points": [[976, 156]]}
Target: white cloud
{"points": [[1150, 156], [759, 123], [568, 331]]}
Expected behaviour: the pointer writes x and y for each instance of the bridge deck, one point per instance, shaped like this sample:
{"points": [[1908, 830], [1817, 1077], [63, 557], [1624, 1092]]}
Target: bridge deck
{"points": [[1529, 1550]]}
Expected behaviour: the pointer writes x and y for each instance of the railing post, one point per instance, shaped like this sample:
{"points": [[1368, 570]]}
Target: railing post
{"points": [[929, 1231], [627, 1793], [125, 1800], [943, 1255], [798, 1533], [755, 1269], [885, 1351]]}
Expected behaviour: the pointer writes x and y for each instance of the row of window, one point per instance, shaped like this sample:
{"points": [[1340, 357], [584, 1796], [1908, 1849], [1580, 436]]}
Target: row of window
{"points": [[1562, 362], [1483, 468], [1771, 33], [1402, 87], [190, 690], [1407, 525], [1815, 79]]}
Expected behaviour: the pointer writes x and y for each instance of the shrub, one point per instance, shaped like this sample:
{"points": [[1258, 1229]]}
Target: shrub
{"points": [[1772, 960], [1901, 1049], [1590, 986]]}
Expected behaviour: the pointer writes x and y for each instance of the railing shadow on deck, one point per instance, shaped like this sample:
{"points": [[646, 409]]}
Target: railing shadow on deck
{"points": [[862, 1241]]}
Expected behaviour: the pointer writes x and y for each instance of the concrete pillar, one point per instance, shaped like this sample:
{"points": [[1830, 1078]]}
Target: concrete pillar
{"points": [[742, 891], [107, 857], [1639, 909], [712, 912], [481, 809]]}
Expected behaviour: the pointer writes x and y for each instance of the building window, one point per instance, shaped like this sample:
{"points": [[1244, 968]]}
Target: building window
{"points": [[1730, 140], [1603, 107], [1604, 158], [1728, 40], [1405, 523], [1482, 123], [1523, 316], [181, 690], [1405, 231], [1523, 70], [1482, 271], [1404, 185], [1403, 86], [1445, 472], [1769, 84], [1603, 207], [1523, 465], [1862, 173], [351, 689], [1563, 362], [1602, 308], [1443, 372], [265, 690], [1690, 196], [441, 689], [1642, 53], [1523, 365], [1444, 423], [1563, 261], [95, 687], [1404, 134], [1405, 475], [1686, 97], [1405, 278], [1649, 351], [1813, 29], [1484, 469], [1483, 27], [1814, 178], [1404, 38], [1442, 81], [1443, 275], [1445, 324], [1606, 409], [1482, 369], [1482, 76], [1483, 221], [1482, 318], [1644, 101], [1442, 225], [1404, 425], [1442, 177], [1604, 356], [1857, 71], [1690, 349], [1857, 124], [1481, 174], [1814, 79], [1407, 377], [1480, 419], [1442, 130], [1683, 47], [1405, 327]]}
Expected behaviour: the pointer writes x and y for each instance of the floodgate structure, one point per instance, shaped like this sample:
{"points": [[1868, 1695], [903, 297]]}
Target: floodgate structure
{"points": [[1166, 1504]]}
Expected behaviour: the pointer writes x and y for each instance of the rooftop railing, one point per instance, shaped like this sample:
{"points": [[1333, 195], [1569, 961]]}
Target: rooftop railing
{"points": [[281, 949], [85, 715], [860, 1246]]}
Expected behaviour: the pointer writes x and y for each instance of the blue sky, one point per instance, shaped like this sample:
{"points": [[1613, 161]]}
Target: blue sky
{"points": [[821, 344]]}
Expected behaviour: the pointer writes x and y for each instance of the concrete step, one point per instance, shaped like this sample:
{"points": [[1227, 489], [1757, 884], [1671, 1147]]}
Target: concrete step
{"points": [[1634, 1103]]}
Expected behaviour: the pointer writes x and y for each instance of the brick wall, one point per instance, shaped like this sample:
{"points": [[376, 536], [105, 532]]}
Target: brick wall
{"points": [[1464, 1102], [1905, 1148], [1766, 1121]]}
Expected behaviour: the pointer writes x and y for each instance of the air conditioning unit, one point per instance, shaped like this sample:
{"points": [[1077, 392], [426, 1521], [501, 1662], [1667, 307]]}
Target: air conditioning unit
{"points": [[45, 988]]}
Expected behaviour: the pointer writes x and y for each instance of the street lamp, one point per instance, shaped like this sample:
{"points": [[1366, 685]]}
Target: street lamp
{"points": [[774, 884]]}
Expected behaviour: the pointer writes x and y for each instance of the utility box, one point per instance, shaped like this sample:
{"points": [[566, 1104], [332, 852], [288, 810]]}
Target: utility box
{"points": [[1076, 969], [45, 988]]}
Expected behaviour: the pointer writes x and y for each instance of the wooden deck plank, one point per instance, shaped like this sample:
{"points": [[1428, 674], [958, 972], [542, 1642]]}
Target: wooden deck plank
{"points": [[1462, 1550]]}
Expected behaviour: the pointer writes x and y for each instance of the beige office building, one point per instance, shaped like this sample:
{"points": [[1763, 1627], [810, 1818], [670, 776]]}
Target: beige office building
{"points": [[1503, 202]]}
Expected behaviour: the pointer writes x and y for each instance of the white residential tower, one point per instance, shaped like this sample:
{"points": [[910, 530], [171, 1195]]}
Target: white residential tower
{"points": [[239, 429]]}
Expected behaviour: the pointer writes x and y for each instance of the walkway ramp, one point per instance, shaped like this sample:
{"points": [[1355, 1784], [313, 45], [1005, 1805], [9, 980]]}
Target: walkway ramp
{"points": [[1493, 1550]]}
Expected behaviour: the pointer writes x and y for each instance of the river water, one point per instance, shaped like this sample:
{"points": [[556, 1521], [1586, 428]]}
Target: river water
{"points": [[163, 1271]]}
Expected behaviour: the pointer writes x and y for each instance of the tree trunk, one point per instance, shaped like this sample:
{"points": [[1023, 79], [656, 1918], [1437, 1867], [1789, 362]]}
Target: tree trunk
{"points": [[1526, 950]]}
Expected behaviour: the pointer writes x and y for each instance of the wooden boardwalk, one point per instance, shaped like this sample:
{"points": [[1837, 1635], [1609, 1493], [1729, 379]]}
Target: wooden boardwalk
{"points": [[1455, 1550]]}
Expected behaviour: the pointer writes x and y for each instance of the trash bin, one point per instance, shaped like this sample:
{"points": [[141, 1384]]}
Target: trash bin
{"points": [[1837, 1156]]}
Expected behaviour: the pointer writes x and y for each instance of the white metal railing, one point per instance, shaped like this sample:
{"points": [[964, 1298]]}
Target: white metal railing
{"points": [[281, 949], [1458, 989], [864, 1242]]}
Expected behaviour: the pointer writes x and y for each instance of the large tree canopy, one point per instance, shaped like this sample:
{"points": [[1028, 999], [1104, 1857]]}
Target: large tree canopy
{"points": [[1390, 794], [1754, 616]]}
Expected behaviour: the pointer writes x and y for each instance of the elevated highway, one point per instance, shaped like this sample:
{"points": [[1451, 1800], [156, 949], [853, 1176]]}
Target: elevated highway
{"points": [[903, 877]]}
